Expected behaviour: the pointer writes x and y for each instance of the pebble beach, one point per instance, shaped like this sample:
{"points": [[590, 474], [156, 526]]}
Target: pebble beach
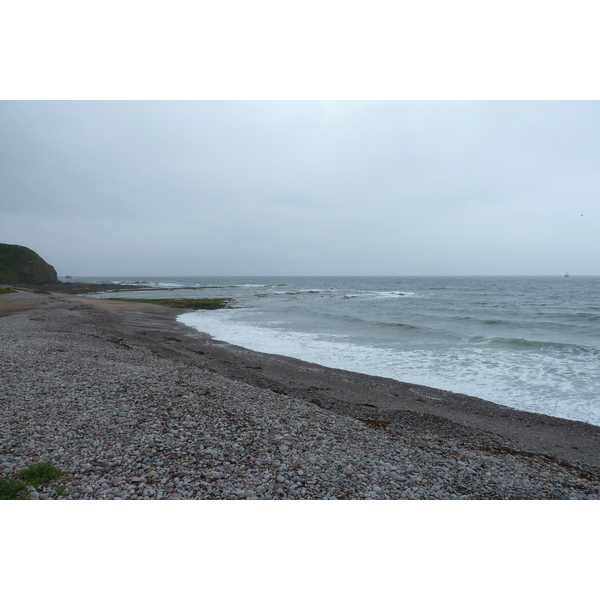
{"points": [[132, 405]]}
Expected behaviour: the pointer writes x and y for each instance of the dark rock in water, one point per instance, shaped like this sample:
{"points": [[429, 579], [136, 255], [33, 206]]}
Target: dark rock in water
{"points": [[20, 265]]}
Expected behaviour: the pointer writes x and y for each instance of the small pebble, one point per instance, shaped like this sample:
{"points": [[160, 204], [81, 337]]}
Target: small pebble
{"points": [[125, 423]]}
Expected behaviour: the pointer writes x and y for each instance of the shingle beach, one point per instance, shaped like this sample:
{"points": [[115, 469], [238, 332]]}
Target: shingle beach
{"points": [[131, 404]]}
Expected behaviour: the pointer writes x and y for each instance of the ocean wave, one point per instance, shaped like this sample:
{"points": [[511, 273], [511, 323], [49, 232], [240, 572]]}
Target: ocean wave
{"points": [[537, 381], [300, 292], [361, 321], [539, 345], [392, 294]]}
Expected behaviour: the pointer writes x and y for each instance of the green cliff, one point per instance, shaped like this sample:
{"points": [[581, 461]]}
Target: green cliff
{"points": [[20, 265]]}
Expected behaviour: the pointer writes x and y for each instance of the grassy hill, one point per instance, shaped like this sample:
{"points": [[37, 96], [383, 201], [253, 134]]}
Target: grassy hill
{"points": [[20, 265]]}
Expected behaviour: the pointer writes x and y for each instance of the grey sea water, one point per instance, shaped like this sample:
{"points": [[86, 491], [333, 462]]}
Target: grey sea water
{"points": [[531, 343]]}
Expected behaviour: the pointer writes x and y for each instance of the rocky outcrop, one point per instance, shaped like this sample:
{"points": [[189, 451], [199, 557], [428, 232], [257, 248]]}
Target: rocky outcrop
{"points": [[20, 265]]}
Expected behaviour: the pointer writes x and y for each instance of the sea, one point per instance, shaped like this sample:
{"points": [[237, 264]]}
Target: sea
{"points": [[531, 343]]}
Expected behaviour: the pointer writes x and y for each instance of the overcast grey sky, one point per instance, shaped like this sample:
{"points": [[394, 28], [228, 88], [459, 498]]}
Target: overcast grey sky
{"points": [[303, 188]]}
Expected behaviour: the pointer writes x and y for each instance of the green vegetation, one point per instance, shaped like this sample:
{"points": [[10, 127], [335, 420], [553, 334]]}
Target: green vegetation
{"points": [[6, 290], [62, 490], [11, 489], [193, 303], [39, 473], [82, 288], [20, 265], [36, 474]]}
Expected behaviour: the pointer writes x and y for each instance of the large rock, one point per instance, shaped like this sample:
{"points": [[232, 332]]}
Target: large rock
{"points": [[20, 265]]}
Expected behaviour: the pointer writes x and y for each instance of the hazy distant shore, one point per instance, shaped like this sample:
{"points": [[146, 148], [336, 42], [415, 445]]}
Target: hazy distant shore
{"points": [[148, 408]]}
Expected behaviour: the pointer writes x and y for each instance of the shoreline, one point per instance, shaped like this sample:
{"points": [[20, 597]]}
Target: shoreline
{"points": [[411, 418], [376, 398]]}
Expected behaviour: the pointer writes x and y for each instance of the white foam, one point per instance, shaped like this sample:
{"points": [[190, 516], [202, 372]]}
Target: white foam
{"points": [[536, 382], [298, 292], [393, 294]]}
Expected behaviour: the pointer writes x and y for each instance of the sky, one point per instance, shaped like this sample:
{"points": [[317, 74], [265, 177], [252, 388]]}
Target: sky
{"points": [[303, 187]]}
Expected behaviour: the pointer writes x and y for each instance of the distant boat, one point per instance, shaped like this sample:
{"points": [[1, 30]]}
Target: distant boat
{"points": [[566, 274]]}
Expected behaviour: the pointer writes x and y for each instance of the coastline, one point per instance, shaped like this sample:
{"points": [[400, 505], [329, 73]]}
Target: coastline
{"points": [[393, 416]]}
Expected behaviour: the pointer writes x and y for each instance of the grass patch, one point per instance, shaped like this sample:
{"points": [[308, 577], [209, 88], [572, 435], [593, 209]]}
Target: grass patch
{"points": [[193, 303], [40, 473], [36, 474], [62, 490], [6, 290], [11, 489]]}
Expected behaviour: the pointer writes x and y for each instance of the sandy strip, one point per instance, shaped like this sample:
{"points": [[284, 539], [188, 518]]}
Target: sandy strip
{"points": [[21, 300]]}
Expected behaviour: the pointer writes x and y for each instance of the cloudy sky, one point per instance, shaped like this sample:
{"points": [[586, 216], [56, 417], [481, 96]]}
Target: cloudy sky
{"points": [[303, 188]]}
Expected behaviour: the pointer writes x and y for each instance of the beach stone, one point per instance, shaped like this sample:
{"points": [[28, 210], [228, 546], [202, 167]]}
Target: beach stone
{"points": [[159, 425]]}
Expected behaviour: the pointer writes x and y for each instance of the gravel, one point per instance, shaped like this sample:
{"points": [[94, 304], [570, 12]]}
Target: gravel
{"points": [[125, 422]]}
